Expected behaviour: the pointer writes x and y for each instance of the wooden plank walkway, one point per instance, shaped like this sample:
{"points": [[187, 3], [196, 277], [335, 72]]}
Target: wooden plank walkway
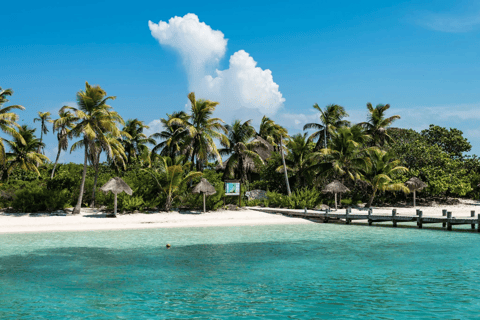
{"points": [[447, 220]]}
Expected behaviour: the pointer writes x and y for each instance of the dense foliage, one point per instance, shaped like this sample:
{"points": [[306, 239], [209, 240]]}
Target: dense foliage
{"points": [[371, 158]]}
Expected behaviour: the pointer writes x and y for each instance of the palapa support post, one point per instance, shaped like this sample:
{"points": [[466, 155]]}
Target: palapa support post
{"points": [[204, 206], [394, 214], [472, 214], [449, 223], [336, 201], [370, 216], [115, 205], [444, 214], [419, 219]]}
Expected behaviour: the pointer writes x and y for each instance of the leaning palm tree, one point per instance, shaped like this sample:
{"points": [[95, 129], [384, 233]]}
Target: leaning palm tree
{"points": [[23, 152], [298, 160], [379, 175], [43, 117], [377, 124], [63, 125], [172, 137], [95, 119], [202, 129], [330, 119], [8, 121], [240, 147]]}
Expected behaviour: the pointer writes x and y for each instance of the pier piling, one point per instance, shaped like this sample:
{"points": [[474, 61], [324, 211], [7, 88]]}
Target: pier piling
{"points": [[394, 213], [370, 216], [419, 219], [472, 214], [449, 223], [444, 214]]}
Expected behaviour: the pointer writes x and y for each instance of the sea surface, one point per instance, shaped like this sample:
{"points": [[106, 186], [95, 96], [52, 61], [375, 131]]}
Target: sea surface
{"points": [[314, 271]]}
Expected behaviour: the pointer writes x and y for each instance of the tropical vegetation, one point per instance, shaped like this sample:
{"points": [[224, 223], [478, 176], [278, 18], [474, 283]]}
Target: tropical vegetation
{"points": [[372, 158]]}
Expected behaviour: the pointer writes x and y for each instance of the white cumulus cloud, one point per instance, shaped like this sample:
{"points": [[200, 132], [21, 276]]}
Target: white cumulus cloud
{"points": [[243, 90]]}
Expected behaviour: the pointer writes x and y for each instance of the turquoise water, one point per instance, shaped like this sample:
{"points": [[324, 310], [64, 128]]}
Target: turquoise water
{"points": [[315, 271]]}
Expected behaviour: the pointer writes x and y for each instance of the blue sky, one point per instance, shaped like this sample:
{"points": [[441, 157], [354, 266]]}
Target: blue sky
{"points": [[274, 57]]}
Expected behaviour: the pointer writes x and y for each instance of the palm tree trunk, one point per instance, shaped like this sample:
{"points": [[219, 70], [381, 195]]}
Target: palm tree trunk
{"points": [[77, 208], [56, 161], [285, 168], [40, 145], [370, 201], [97, 165]]}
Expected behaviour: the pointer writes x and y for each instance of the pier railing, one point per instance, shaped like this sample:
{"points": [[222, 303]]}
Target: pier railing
{"points": [[447, 220]]}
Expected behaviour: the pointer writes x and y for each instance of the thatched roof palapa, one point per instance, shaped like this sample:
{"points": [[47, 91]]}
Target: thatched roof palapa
{"points": [[335, 187], [204, 187], [116, 185], [265, 149], [415, 184]]}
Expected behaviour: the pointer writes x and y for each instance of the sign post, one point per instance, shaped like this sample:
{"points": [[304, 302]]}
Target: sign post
{"points": [[234, 188]]}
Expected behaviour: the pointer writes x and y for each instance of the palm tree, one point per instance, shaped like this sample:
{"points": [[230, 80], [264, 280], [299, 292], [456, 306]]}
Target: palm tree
{"points": [[274, 133], [136, 144], [173, 136], [330, 119], [8, 121], [240, 147], [345, 154], [380, 172], [202, 129], [376, 125], [24, 155], [170, 177], [95, 119], [43, 117], [63, 125], [298, 160]]}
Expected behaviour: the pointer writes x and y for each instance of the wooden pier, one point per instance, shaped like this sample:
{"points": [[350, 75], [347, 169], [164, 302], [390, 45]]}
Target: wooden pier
{"points": [[447, 220]]}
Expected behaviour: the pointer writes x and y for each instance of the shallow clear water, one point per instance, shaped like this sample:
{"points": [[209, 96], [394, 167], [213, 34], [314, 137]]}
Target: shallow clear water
{"points": [[315, 271]]}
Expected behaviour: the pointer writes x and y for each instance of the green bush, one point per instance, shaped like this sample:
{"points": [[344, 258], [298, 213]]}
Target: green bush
{"points": [[35, 197], [301, 198]]}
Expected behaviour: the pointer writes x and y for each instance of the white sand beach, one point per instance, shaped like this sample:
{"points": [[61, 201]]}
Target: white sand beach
{"points": [[88, 220]]}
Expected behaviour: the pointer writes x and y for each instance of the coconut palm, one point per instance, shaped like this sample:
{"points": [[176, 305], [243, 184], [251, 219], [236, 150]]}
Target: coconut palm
{"points": [[43, 117], [240, 147], [63, 125], [345, 155], [24, 155], [330, 119], [172, 137], [202, 129], [95, 119], [8, 121], [170, 177], [379, 174], [298, 161], [95, 150], [274, 134], [377, 125], [136, 144]]}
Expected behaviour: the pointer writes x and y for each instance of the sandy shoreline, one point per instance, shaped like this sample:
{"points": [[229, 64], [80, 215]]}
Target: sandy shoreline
{"points": [[90, 221]]}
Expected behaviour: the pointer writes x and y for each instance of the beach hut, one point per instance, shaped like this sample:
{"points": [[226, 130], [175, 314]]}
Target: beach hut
{"points": [[206, 188], [415, 184], [335, 187], [116, 185]]}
